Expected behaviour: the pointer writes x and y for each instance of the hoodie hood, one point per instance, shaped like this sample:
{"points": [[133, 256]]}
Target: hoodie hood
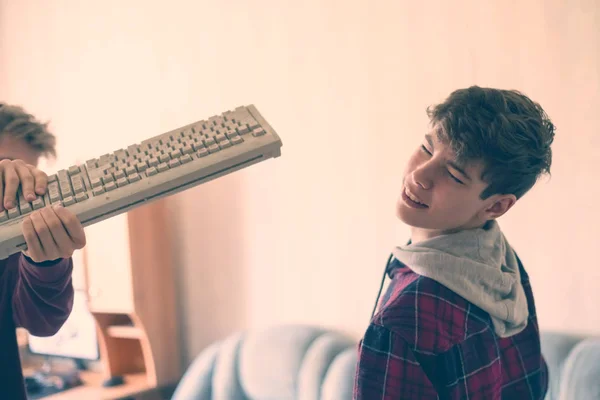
{"points": [[479, 265]]}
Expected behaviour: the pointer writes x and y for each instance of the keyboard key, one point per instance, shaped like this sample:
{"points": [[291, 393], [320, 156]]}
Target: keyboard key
{"points": [[65, 191], [230, 134], [25, 208], [188, 149], [62, 175], [110, 186], [52, 178], [122, 182], [203, 152], [69, 201], [236, 139], [134, 177], [119, 174], [225, 144], [258, 132], [141, 166], [13, 213], [213, 148], [74, 170], [197, 146], [93, 163], [96, 182], [162, 167], [130, 170], [209, 142], [133, 149], [220, 137], [108, 178], [81, 196], [185, 159], [163, 158], [242, 130], [3, 216], [53, 186], [174, 163], [151, 171], [38, 203], [54, 197], [252, 124], [175, 154], [153, 162], [98, 191], [78, 187]]}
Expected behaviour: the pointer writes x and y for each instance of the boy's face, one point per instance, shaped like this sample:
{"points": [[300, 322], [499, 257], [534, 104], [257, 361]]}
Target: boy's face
{"points": [[450, 191], [16, 149]]}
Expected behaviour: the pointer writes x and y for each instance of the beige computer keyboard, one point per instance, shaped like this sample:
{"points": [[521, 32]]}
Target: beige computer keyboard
{"points": [[160, 166]]}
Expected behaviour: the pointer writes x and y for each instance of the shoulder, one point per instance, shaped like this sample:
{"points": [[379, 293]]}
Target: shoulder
{"points": [[430, 317]]}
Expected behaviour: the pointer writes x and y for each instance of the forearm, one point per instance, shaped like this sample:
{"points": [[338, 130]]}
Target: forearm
{"points": [[43, 295]]}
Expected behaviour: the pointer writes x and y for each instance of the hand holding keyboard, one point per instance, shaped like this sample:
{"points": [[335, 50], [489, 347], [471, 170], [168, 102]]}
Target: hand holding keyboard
{"points": [[50, 233], [15, 174], [162, 165]]}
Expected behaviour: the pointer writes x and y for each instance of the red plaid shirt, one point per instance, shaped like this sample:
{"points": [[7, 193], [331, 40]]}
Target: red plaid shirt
{"points": [[427, 342]]}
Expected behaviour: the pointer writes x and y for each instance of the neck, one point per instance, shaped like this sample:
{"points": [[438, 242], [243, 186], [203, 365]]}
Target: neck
{"points": [[420, 234]]}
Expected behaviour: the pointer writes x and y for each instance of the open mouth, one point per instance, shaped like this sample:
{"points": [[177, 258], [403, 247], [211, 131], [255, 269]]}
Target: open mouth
{"points": [[411, 202]]}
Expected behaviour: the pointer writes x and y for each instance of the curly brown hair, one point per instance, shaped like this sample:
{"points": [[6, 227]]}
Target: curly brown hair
{"points": [[504, 129], [18, 123]]}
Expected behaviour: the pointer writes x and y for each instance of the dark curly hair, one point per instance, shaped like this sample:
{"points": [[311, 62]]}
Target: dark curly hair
{"points": [[17, 123], [504, 129]]}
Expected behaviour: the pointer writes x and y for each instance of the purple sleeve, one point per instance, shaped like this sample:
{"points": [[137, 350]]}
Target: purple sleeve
{"points": [[43, 295]]}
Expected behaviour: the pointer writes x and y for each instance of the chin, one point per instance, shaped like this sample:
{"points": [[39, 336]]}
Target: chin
{"points": [[412, 217], [408, 215]]}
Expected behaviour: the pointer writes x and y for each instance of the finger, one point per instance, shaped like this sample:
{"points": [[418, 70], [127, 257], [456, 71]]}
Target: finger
{"points": [[34, 247], [26, 180], [72, 225], [11, 184], [58, 232], [40, 178], [43, 232]]}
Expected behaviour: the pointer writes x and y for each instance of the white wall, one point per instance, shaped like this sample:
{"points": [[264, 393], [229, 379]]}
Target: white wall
{"points": [[303, 238]]}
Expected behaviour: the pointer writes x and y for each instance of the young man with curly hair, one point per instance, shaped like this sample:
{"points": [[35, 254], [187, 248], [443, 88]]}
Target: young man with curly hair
{"points": [[458, 320]]}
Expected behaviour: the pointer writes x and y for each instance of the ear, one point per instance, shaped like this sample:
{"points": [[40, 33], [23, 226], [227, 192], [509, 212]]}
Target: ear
{"points": [[500, 205]]}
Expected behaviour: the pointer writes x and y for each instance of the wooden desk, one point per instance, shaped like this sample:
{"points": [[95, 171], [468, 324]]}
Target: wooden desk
{"points": [[91, 389]]}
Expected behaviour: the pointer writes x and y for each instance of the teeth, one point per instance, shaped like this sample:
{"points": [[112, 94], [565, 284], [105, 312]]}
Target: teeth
{"points": [[413, 198]]}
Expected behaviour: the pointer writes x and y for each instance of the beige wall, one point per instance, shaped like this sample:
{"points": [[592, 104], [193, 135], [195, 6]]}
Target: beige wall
{"points": [[303, 238]]}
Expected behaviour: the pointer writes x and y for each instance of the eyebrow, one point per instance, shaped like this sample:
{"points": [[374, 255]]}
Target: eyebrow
{"points": [[452, 163]]}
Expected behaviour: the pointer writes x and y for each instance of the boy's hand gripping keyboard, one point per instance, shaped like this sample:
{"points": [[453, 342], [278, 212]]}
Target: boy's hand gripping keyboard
{"points": [[160, 166]]}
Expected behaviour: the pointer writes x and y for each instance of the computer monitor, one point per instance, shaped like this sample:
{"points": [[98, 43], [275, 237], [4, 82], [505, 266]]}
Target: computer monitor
{"points": [[77, 339]]}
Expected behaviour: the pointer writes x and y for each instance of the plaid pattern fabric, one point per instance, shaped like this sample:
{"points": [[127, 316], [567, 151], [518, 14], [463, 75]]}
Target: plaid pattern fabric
{"points": [[427, 342]]}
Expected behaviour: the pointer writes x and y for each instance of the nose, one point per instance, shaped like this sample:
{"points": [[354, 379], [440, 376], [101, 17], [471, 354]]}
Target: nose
{"points": [[420, 178]]}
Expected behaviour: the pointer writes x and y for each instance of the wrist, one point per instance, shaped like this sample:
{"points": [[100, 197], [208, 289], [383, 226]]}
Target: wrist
{"points": [[42, 264]]}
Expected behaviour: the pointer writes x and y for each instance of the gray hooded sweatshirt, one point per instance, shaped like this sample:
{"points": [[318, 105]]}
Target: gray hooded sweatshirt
{"points": [[479, 265]]}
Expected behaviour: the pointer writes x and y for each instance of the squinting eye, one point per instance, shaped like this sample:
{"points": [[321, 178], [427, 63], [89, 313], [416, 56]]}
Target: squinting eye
{"points": [[453, 177]]}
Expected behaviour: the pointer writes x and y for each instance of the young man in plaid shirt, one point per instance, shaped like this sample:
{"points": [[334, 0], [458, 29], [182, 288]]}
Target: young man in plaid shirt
{"points": [[458, 320]]}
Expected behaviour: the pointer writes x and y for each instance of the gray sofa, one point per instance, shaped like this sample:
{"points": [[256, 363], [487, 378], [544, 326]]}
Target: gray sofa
{"points": [[310, 363]]}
